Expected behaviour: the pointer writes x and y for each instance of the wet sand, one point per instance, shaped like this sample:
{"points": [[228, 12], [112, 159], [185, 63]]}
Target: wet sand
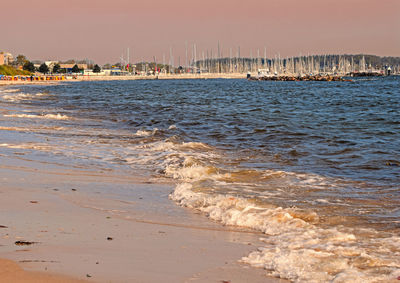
{"points": [[105, 227]]}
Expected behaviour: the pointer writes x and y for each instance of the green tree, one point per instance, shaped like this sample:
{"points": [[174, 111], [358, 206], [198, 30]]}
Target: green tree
{"points": [[21, 60], [28, 66], [96, 69], [75, 69], [56, 68], [44, 68]]}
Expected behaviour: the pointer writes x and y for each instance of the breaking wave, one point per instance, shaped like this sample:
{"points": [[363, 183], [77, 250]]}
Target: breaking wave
{"points": [[295, 248], [14, 95], [44, 116]]}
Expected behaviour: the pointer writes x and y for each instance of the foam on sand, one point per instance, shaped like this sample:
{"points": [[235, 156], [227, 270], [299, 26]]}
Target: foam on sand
{"points": [[295, 248]]}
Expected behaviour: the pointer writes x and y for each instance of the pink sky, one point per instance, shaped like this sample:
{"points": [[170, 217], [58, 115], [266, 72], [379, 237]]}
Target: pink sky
{"points": [[101, 30]]}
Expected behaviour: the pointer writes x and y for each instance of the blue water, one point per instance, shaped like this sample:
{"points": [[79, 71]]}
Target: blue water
{"points": [[345, 129]]}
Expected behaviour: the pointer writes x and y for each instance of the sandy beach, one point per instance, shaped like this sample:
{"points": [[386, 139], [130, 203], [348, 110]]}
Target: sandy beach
{"points": [[76, 226], [203, 76]]}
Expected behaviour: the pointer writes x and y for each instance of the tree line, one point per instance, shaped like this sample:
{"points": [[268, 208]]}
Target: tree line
{"points": [[27, 65]]}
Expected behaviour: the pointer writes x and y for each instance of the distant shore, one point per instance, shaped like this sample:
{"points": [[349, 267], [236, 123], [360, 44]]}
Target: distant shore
{"points": [[48, 79]]}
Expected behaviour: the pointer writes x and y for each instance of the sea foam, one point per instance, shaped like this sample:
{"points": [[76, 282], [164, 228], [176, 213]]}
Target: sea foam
{"points": [[44, 116], [296, 249]]}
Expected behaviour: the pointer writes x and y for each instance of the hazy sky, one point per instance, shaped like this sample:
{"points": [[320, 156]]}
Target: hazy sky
{"points": [[101, 30]]}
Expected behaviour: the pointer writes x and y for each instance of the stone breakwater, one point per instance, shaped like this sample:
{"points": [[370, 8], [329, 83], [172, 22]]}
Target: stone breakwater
{"points": [[299, 78]]}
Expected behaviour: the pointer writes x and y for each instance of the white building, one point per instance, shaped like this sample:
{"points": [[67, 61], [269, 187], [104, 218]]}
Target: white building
{"points": [[6, 58], [51, 64]]}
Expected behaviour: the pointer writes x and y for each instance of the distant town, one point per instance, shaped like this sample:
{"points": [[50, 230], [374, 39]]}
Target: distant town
{"points": [[343, 65]]}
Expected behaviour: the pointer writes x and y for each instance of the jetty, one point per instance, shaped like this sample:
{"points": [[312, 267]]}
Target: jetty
{"points": [[286, 78], [366, 74]]}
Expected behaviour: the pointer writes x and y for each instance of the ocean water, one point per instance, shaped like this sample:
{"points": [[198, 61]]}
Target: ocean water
{"points": [[315, 166]]}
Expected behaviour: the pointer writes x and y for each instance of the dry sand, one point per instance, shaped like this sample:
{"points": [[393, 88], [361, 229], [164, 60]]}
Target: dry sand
{"points": [[103, 227], [12, 272]]}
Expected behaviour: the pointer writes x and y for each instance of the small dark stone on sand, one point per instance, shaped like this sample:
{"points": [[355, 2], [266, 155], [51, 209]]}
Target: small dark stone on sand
{"points": [[24, 243], [55, 189], [2, 226], [97, 262], [109, 238], [73, 190], [33, 201], [88, 275], [140, 198]]}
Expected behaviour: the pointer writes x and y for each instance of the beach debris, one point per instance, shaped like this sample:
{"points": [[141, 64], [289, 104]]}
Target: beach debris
{"points": [[33, 201], [73, 190], [97, 262], [2, 226], [24, 243], [88, 275], [225, 281], [109, 238]]}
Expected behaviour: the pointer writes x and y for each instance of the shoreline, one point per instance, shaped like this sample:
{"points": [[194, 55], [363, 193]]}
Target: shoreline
{"points": [[107, 227], [80, 78], [204, 76]]}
